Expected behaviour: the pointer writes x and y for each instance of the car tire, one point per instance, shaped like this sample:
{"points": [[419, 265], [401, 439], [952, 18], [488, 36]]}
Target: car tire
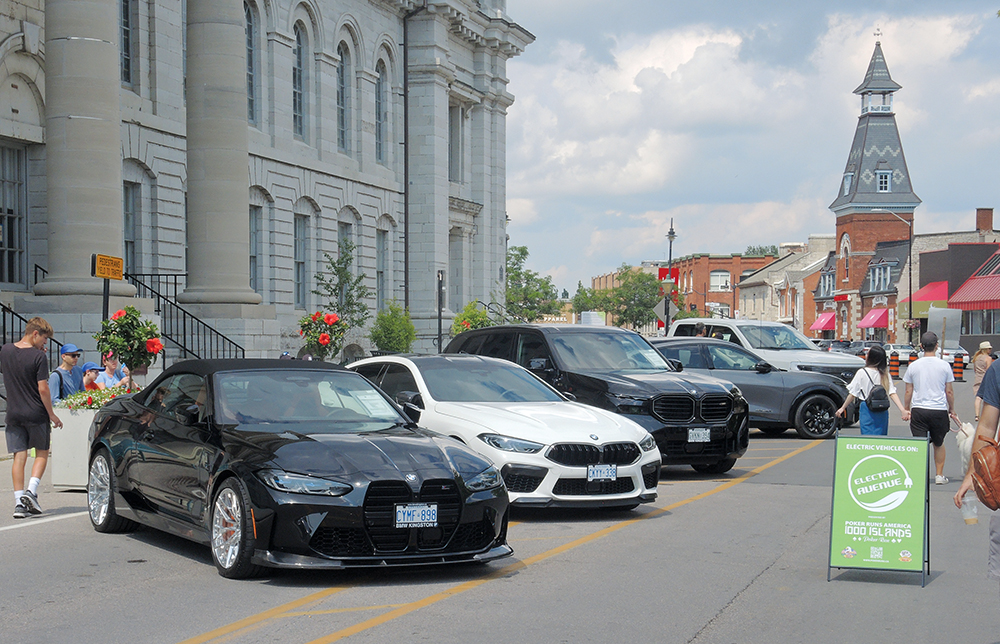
{"points": [[720, 467], [773, 431], [101, 486], [232, 541], [815, 417]]}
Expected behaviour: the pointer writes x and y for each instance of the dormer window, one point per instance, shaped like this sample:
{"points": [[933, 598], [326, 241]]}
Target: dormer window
{"points": [[848, 177], [884, 181]]}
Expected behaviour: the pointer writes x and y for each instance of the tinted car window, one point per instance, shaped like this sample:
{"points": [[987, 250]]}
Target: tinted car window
{"points": [[684, 330], [599, 351], [397, 378], [530, 346], [370, 371], [775, 337], [731, 358], [479, 382], [724, 333], [496, 345], [690, 357], [471, 344], [180, 396]]}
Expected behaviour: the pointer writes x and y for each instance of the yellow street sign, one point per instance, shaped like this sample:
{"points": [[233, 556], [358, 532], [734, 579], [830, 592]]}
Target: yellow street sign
{"points": [[107, 267]]}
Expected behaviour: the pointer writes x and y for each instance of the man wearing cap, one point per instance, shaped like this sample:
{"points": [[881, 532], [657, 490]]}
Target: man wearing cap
{"points": [[930, 399], [68, 378], [980, 363]]}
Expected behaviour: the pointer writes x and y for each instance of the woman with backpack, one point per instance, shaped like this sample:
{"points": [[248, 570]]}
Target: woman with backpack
{"points": [[874, 388]]}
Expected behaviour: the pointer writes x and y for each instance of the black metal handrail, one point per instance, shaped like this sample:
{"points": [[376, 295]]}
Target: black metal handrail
{"points": [[169, 285], [12, 329], [39, 269], [191, 336], [501, 312]]}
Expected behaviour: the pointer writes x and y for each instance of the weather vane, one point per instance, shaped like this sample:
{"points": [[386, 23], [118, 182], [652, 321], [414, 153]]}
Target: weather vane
{"points": [[878, 32]]}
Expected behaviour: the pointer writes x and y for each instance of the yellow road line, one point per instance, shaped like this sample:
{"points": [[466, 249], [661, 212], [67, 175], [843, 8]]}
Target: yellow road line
{"points": [[507, 570], [334, 611]]}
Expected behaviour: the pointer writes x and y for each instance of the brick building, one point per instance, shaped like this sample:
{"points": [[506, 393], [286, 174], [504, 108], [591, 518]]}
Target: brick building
{"points": [[710, 283]]}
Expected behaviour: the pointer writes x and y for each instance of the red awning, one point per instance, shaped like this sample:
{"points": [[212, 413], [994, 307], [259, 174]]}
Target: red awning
{"points": [[978, 294], [877, 318], [825, 322], [933, 292]]}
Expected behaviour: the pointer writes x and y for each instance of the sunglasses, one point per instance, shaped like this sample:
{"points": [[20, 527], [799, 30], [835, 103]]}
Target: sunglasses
{"points": [[73, 355]]}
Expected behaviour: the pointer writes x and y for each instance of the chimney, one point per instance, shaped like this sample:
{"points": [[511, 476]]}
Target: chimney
{"points": [[984, 220]]}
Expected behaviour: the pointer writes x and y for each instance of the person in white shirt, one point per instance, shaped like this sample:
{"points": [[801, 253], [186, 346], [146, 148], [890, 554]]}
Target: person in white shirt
{"points": [[875, 372], [930, 399]]}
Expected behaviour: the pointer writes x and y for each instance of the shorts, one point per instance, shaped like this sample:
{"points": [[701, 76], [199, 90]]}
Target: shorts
{"points": [[932, 421], [21, 438], [994, 566]]}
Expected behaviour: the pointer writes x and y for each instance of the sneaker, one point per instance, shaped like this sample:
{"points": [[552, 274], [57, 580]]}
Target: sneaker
{"points": [[20, 511], [30, 501], [938, 480]]}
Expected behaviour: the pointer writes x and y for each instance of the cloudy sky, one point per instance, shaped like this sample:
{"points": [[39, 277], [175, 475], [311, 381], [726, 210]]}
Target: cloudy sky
{"points": [[735, 118]]}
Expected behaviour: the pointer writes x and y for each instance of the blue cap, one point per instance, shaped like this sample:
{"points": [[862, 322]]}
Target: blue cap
{"points": [[69, 347], [91, 366]]}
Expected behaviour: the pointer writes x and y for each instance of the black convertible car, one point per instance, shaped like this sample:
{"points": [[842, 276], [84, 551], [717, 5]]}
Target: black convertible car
{"points": [[290, 464]]}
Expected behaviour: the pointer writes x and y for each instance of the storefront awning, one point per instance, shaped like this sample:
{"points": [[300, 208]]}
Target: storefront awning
{"points": [[978, 294], [876, 319], [934, 294], [825, 322]]}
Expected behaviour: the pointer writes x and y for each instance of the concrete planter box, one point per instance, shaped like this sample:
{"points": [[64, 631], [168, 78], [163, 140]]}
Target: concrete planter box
{"points": [[70, 449]]}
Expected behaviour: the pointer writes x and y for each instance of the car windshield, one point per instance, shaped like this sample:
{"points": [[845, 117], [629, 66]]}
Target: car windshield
{"points": [[601, 351], [476, 381], [344, 402], [776, 337]]}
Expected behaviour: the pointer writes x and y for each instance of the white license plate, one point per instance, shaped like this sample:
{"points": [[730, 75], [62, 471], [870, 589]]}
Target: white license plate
{"points": [[416, 515], [602, 473], [699, 435]]}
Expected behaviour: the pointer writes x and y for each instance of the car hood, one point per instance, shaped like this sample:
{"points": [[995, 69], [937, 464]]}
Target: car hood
{"points": [[820, 358], [544, 422], [651, 383], [386, 454]]}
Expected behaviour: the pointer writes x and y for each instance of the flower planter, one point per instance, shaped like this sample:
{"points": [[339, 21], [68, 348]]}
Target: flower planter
{"points": [[70, 449]]}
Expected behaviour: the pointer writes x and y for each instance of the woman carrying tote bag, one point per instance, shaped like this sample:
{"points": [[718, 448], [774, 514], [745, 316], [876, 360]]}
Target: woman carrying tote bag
{"points": [[875, 372]]}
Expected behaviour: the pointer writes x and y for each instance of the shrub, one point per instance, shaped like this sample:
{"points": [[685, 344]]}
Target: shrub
{"points": [[471, 317], [393, 330]]}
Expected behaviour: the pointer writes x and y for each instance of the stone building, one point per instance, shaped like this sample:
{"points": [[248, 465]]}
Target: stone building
{"points": [[232, 144]]}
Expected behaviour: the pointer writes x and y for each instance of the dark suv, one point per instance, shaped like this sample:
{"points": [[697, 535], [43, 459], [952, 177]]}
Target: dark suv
{"points": [[696, 420]]}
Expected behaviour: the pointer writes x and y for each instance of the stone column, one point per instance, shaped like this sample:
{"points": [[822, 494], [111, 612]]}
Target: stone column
{"points": [[83, 157], [218, 228]]}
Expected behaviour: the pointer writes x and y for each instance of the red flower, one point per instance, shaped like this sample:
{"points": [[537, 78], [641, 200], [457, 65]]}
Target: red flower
{"points": [[316, 316], [113, 395], [153, 345], [120, 313], [301, 332], [331, 318], [466, 324], [324, 339], [90, 400]]}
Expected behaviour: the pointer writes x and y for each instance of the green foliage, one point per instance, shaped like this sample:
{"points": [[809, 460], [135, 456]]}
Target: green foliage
{"points": [[343, 290], [126, 336], [393, 330], [762, 250], [94, 399], [471, 317], [588, 299], [529, 295], [682, 311], [323, 334], [632, 301]]}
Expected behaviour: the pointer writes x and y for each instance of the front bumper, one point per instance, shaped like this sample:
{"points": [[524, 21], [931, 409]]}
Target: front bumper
{"points": [[727, 440], [273, 559]]}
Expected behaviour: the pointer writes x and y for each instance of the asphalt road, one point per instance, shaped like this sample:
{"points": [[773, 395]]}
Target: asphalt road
{"points": [[738, 558]]}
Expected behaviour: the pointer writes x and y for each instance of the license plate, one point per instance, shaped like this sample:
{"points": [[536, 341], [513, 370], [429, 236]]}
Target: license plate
{"points": [[699, 435], [416, 515], [602, 473]]}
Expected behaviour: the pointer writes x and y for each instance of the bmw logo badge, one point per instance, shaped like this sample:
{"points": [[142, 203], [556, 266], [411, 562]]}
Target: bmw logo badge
{"points": [[594, 437], [411, 477]]}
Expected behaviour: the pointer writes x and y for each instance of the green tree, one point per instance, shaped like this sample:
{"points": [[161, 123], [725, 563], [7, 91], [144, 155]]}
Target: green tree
{"points": [[762, 250], [393, 329], [632, 301], [587, 299], [529, 295], [344, 290], [471, 317]]}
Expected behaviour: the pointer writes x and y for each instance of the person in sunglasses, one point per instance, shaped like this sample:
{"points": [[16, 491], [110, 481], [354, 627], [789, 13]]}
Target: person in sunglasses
{"points": [[67, 379]]}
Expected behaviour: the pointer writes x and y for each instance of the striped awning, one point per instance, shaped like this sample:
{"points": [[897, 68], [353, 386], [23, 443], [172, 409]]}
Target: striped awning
{"points": [[977, 294]]}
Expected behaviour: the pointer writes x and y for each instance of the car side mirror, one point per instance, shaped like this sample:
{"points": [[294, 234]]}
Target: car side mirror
{"points": [[410, 397], [763, 367], [569, 396], [412, 412], [676, 365], [539, 364]]}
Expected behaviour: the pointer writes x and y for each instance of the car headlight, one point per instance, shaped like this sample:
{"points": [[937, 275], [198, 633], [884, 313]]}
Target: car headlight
{"points": [[648, 444], [628, 404], [485, 480], [508, 444], [301, 484], [735, 391]]}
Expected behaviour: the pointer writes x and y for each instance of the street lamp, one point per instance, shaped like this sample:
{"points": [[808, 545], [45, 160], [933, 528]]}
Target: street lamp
{"points": [[909, 268], [671, 236]]}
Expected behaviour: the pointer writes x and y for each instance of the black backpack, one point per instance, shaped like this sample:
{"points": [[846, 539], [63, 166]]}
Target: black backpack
{"points": [[878, 397]]}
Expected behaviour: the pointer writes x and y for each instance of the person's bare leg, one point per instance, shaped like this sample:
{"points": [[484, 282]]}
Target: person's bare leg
{"points": [[17, 469], [939, 459], [38, 467]]}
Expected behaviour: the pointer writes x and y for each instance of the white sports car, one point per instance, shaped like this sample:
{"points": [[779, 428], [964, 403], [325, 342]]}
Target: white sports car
{"points": [[551, 452]]}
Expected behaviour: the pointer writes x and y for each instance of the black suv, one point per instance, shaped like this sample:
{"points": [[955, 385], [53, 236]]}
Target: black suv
{"points": [[696, 420]]}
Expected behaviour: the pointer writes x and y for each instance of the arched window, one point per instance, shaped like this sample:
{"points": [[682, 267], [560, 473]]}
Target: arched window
{"points": [[298, 84], [251, 32], [343, 99], [381, 112]]}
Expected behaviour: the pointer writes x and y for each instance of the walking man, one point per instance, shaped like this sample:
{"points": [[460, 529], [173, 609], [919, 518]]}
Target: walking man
{"points": [[29, 410], [930, 399]]}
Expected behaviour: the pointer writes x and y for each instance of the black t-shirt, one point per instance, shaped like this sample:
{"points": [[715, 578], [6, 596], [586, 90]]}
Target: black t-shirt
{"points": [[22, 370]]}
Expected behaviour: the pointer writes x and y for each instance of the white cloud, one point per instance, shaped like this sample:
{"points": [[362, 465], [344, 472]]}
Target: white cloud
{"points": [[522, 211]]}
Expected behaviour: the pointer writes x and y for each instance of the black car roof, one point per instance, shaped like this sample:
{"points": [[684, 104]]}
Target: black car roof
{"points": [[205, 367]]}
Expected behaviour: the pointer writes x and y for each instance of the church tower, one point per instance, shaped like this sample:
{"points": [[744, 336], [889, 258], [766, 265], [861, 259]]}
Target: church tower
{"points": [[875, 201]]}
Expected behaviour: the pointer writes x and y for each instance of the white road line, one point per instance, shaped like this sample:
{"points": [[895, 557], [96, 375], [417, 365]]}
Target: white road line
{"points": [[28, 522]]}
